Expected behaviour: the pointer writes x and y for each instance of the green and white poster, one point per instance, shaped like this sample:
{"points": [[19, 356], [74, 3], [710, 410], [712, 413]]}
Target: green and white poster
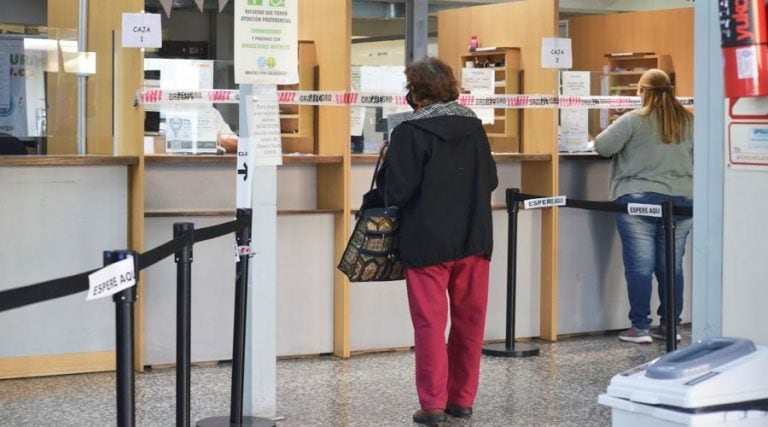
{"points": [[266, 41]]}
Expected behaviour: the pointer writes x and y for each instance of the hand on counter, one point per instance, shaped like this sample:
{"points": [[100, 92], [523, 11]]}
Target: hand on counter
{"points": [[228, 142]]}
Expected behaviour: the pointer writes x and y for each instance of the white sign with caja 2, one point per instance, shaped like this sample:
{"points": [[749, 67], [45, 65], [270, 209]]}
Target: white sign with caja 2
{"points": [[111, 279], [556, 53]]}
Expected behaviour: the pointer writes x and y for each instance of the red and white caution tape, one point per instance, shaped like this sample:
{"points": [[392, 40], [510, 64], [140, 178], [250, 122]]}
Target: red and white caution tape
{"points": [[357, 99]]}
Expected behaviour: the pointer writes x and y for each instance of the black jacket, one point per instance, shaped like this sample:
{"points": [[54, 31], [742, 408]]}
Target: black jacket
{"points": [[440, 173]]}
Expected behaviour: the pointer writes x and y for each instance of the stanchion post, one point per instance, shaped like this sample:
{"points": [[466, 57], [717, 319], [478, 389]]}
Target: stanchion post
{"points": [[124, 348], [236, 418], [183, 259], [509, 348], [243, 237], [668, 216]]}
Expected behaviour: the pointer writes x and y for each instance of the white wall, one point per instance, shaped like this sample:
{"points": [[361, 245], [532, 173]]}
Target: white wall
{"points": [[57, 221], [745, 237]]}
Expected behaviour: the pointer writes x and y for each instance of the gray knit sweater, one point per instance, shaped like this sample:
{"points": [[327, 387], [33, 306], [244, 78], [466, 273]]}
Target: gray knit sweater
{"points": [[642, 162]]}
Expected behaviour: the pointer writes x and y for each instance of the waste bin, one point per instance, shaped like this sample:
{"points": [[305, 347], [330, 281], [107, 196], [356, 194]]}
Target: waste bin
{"points": [[717, 381]]}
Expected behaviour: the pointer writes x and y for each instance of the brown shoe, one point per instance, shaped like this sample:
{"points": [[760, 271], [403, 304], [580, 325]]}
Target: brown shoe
{"points": [[458, 411], [429, 416]]}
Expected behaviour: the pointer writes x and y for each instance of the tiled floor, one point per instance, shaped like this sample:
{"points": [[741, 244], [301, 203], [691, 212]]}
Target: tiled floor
{"points": [[557, 388]]}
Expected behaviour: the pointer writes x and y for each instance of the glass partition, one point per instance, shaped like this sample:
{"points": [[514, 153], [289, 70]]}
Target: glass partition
{"points": [[39, 69]]}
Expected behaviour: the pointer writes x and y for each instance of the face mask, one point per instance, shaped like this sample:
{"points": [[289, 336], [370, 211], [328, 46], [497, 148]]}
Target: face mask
{"points": [[410, 101]]}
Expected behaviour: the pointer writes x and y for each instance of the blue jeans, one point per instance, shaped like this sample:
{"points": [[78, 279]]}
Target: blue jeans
{"points": [[642, 240]]}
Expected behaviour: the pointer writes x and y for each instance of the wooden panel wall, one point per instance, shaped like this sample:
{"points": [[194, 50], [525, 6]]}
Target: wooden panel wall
{"points": [[520, 24], [110, 112], [665, 32], [104, 19], [329, 24]]}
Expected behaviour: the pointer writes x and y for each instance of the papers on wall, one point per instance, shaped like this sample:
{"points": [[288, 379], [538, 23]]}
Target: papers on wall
{"points": [[356, 120], [266, 42], [177, 74], [190, 129], [574, 123], [480, 81], [265, 140], [356, 114], [384, 79], [372, 123], [182, 74], [604, 85]]}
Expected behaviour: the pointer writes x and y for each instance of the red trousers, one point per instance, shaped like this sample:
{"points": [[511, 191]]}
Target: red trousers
{"points": [[448, 373]]}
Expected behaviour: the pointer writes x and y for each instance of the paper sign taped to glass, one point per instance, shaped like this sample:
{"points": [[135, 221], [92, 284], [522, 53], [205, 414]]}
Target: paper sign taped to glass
{"points": [[190, 132]]}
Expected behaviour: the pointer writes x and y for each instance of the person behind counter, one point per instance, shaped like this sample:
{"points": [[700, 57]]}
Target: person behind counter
{"points": [[226, 140], [652, 149], [440, 173], [10, 145]]}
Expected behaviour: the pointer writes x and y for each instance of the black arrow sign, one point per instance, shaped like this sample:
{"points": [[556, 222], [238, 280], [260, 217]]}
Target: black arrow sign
{"points": [[243, 171]]}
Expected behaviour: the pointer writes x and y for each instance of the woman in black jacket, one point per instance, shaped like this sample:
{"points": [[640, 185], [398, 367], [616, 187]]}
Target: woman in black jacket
{"points": [[440, 173]]}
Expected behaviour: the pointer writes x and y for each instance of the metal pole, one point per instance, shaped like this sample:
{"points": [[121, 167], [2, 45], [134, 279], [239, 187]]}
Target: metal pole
{"points": [[236, 418], [510, 348], [183, 259], [668, 216], [243, 237], [82, 79], [126, 392], [416, 29]]}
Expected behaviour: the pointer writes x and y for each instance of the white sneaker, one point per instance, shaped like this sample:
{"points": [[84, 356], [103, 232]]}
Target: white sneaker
{"points": [[639, 336]]}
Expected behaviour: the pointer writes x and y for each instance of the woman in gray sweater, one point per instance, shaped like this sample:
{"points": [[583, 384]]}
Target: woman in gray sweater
{"points": [[652, 149]]}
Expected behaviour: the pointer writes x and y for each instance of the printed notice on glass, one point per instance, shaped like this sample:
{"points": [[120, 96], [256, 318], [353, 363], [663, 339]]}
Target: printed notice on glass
{"points": [[180, 132], [265, 142], [574, 135], [480, 81], [266, 42]]}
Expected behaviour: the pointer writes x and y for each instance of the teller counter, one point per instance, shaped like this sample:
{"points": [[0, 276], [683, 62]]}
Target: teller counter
{"points": [[59, 214], [592, 288], [201, 189]]}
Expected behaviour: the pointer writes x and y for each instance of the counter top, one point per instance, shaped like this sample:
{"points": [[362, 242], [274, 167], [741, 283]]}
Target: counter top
{"points": [[68, 160], [581, 155], [288, 159], [371, 158]]}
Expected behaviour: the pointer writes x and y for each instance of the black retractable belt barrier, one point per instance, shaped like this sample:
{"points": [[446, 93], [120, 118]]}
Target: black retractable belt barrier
{"points": [[670, 266], [184, 237], [669, 211], [183, 259], [509, 348], [126, 393], [236, 417]]}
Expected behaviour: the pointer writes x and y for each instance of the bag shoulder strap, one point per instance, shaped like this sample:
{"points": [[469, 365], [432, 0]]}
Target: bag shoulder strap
{"points": [[378, 163]]}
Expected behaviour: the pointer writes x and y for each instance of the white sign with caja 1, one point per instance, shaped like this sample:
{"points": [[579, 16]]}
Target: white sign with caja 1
{"points": [[111, 279], [142, 30]]}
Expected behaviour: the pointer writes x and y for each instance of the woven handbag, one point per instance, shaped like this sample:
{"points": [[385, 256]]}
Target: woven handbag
{"points": [[372, 251]]}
